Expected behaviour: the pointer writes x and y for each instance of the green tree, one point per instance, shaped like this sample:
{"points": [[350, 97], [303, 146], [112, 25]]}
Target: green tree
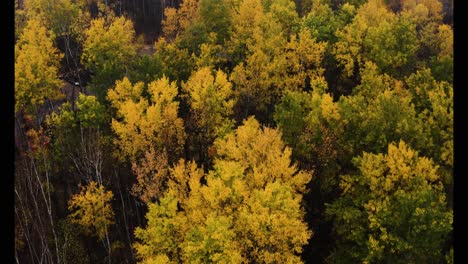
{"points": [[67, 123], [108, 48], [379, 35], [216, 16], [177, 63], [63, 17], [434, 104], [290, 114], [372, 125], [190, 25], [433, 101], [392, 46], [79, 141], [393, 209], [321, 21], [193, 37], [312, 124], [145, 68], [442, 63], [323, 24], [379, 112]]}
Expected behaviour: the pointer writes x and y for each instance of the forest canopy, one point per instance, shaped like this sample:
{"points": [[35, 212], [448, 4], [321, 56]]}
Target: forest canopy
{"points": [[234, 131]]}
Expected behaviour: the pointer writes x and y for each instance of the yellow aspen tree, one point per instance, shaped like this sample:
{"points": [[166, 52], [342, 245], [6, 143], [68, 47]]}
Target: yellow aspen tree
{"points": [[141, 123], [92, 210], [247, 209], [36, 67], [211, 100]]}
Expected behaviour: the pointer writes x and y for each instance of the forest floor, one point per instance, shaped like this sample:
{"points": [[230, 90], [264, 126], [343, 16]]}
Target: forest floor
{"points": [[147, 49]]}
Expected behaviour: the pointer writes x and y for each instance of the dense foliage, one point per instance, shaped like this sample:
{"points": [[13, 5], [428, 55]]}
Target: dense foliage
{"points": [[248, 131]]}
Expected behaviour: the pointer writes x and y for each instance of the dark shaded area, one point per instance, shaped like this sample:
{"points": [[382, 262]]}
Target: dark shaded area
{"points": [[321, 242], [146, 14], [447, 6]]}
